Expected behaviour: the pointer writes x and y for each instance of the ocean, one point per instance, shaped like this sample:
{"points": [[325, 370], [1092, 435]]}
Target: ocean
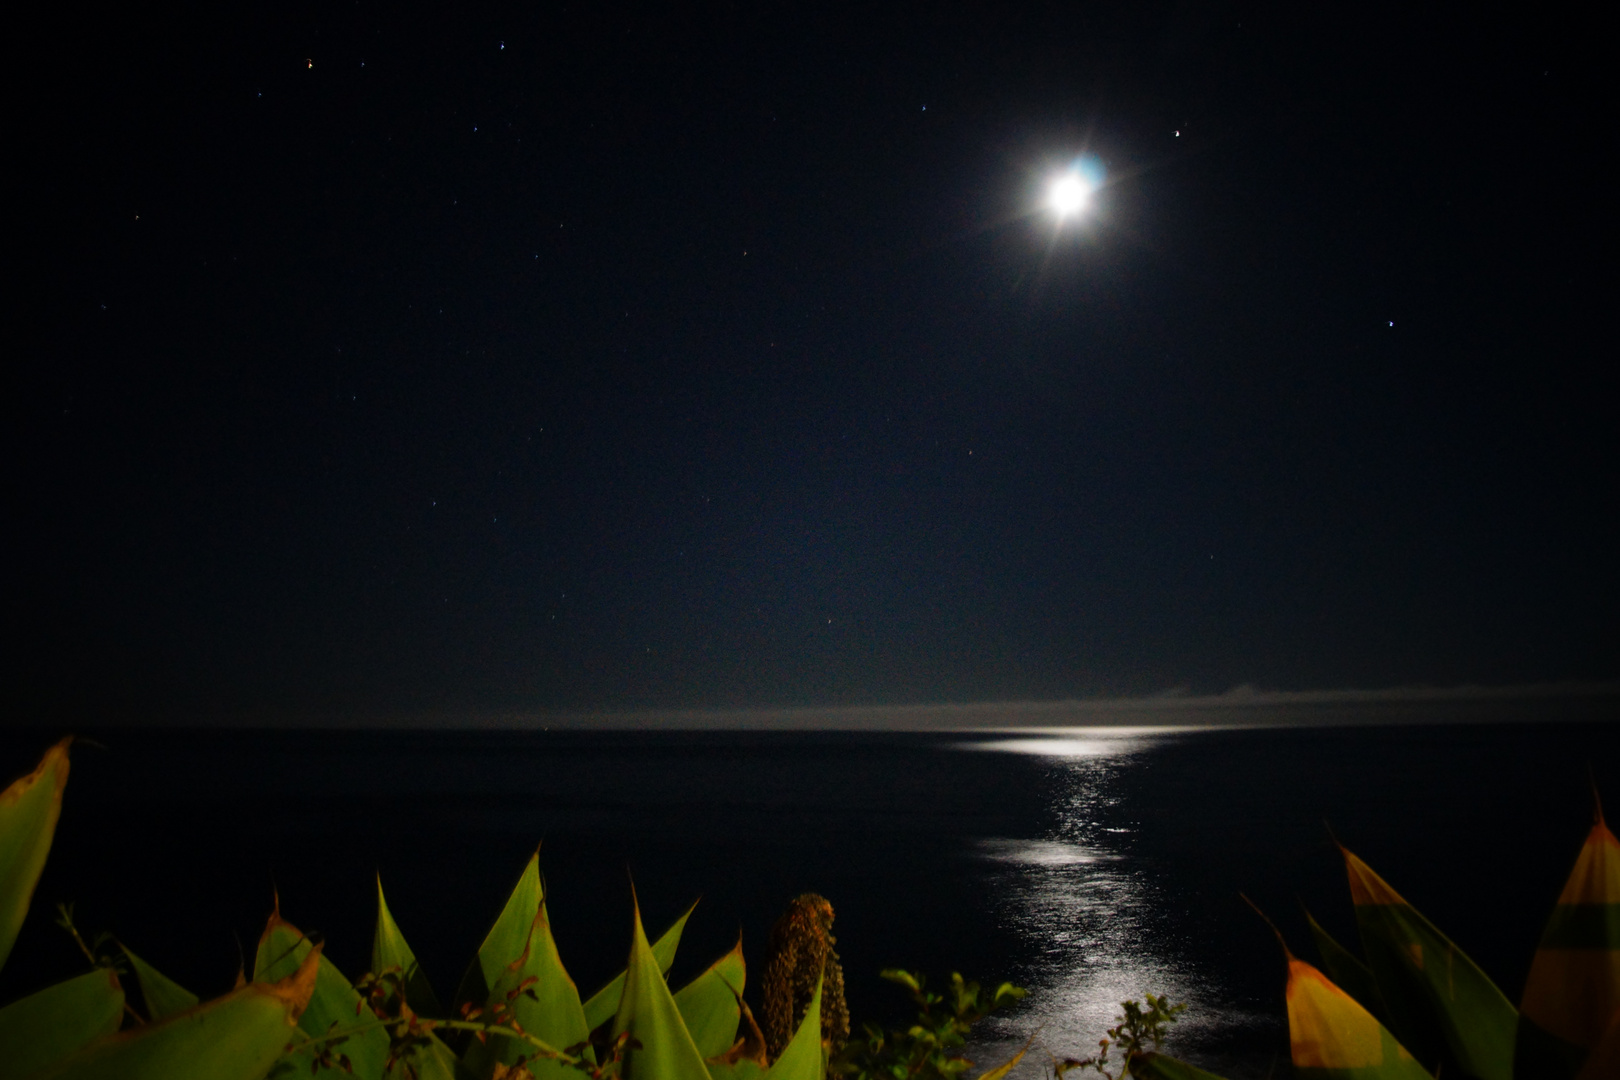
{"points": [[1088, 865]]}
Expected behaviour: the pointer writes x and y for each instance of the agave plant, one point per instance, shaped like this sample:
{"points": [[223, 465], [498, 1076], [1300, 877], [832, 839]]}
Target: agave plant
{"points": [[1445, 1016], [1415, 1007], [517, 1014]]}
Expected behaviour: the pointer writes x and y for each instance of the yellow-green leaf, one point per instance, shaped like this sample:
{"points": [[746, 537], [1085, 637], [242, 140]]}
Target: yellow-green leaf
{"points": [[506, 940], [742, 1069], [544, 1002], [236, 1037], [388, 949], [163, 996], [28, 812], [1573, 992], [660, 1048], [709, 1003], [51, 1024], [1429, 985], [434, 1061], [1000, 1071], [334, 1003], [801, 1058], [1333, 1038], [601, 1006]]}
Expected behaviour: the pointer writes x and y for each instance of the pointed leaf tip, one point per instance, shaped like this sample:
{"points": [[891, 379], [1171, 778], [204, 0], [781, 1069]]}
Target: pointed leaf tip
{"points": [[163, 996], [603, 1004], [29, 809], [1440, 1005], [648, 1014], [1570, 997], [1288, 953], [801, 1058], [1330, 1031]]}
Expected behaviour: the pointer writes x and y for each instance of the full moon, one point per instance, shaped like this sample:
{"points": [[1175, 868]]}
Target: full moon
{"points": [[1068, 194]]}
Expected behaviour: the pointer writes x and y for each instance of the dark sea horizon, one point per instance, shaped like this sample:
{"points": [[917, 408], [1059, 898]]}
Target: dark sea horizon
{"points": [[1087, 864]]}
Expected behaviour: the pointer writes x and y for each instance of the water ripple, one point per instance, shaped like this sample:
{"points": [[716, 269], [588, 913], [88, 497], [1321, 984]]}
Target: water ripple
{"points": [[1095, 922]]}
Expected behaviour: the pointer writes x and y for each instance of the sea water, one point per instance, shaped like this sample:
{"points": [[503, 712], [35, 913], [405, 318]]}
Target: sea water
{"points": [[1089, 866]]}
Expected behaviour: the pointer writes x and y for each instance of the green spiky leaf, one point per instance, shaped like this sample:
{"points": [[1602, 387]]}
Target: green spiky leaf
{"points": [[435, 1061], [389, 949], [544, 1002], [47, 1026], [236, 1037], [710, 1003], [334, 1004], [28, 812], [801, 1059], [661, 1048], [1346, 969], [601, 1006], [163, 996], [506, 939], [1433, 990], [746, 1069]]}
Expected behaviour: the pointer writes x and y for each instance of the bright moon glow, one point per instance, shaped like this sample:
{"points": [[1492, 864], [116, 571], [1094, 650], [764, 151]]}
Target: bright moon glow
{"points": [[1069, 194]]}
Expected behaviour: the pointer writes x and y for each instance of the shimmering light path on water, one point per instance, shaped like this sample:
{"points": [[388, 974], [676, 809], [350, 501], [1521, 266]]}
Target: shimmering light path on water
{"points": [[1093, 917]]}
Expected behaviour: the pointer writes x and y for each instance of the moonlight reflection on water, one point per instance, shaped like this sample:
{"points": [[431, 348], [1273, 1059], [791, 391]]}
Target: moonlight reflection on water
{"points": [[1093, 917]]}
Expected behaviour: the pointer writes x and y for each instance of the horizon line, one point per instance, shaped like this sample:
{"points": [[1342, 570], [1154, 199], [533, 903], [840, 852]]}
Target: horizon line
{"points": [[1241, 706]]}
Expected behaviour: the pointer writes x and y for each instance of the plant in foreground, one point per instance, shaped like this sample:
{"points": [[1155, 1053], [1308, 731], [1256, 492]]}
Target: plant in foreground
{"points": [[517, 1014], [1412, 1003], [1138, 1031], [930, 1048]]}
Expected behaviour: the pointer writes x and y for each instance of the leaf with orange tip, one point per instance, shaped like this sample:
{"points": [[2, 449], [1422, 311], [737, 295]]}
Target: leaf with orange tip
{"points": [[1441, 1005], [1333, 1038], [506, 939], [1572, 994], [1330, 1035], [536, 993], [237, 1037], [28, 812], [1347, 970], [333, 1004]]}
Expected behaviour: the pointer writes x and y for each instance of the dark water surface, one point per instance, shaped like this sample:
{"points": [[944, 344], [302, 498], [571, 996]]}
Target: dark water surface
{"points": [[1087, 865]]}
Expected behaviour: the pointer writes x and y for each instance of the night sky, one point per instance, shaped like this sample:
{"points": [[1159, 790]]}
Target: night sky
{"points": [[399, 362]]}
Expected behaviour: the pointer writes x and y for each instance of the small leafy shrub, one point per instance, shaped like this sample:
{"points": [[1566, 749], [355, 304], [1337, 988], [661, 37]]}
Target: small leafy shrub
{"points": [[1138, 1031], [930, 1048]]}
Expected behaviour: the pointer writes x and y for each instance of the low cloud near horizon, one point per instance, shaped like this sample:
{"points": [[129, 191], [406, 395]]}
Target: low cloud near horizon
{"points": [[1241, 706]]}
